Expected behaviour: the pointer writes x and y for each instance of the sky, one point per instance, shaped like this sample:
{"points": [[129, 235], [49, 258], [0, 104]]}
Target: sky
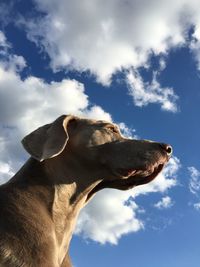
{"points": [[136, 63]]}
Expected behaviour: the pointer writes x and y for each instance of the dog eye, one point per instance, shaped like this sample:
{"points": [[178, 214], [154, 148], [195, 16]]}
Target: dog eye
{"points": [[113, 129]]}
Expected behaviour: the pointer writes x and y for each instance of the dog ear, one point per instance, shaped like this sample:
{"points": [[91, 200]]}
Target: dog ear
{"points": [[49, 140]]}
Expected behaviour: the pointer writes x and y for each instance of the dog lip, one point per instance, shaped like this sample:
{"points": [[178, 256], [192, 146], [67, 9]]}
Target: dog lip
{"points": [[125, 172], [138, 177], [139, 180], [129, 182]]}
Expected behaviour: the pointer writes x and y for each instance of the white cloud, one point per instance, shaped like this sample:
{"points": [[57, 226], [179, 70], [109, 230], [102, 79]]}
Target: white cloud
{"points": [[197, 206], [194, 183], [26, 104], [164, 181], [8, 60], [111, 213], [5, 171], [144, 93], [105, 37], [96, 112], [195, 43], [164, 203], [107, 217], [162, 64], [127, 131], [35, 94], [3, 42], [113, 35]]}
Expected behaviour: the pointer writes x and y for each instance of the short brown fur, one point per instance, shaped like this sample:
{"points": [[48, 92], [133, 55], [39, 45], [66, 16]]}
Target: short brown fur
{"points": [[71, 159]]}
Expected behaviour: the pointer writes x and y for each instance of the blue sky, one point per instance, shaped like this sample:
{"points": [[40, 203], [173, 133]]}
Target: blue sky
{"points": [[136, 63]]}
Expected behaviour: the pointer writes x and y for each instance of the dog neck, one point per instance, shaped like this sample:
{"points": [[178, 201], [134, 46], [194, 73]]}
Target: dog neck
{"points": [[62, 193], [72, 184]]}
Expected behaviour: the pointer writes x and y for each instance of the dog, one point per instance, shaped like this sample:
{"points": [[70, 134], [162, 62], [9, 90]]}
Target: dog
{"points": [[71, 159]]}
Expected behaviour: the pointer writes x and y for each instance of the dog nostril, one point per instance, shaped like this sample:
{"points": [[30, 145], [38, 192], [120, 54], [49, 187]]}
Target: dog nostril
{"points": [[167, 148]]}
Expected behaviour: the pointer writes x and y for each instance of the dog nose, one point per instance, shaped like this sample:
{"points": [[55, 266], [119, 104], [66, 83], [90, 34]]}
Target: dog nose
{"points": [[168, 149]]}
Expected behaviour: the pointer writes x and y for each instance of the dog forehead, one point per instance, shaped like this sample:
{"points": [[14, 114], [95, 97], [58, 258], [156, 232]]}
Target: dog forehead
{"points": [[92, 132], [91, 124]]}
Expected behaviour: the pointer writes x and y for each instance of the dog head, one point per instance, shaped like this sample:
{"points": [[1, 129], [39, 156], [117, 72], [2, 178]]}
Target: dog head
{"points": [[99, 145]]}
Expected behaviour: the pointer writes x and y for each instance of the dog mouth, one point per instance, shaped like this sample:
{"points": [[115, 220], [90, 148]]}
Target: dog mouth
{"points": [[129, 178]]}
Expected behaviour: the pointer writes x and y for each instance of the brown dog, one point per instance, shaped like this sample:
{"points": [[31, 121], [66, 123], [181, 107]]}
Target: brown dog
{"points": [[71, 159]]}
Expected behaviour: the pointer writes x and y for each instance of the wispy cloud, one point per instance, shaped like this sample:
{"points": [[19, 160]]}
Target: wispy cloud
{"points": [[5, 171], [127, 131], [3, 42], [194, 183], [164, 203], [195, 44], [197, 206], [194, 186], [7, 59], [144, 93]]}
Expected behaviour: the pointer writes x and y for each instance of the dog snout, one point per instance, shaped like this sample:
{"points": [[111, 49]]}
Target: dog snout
{"points": [[167, 148]]}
